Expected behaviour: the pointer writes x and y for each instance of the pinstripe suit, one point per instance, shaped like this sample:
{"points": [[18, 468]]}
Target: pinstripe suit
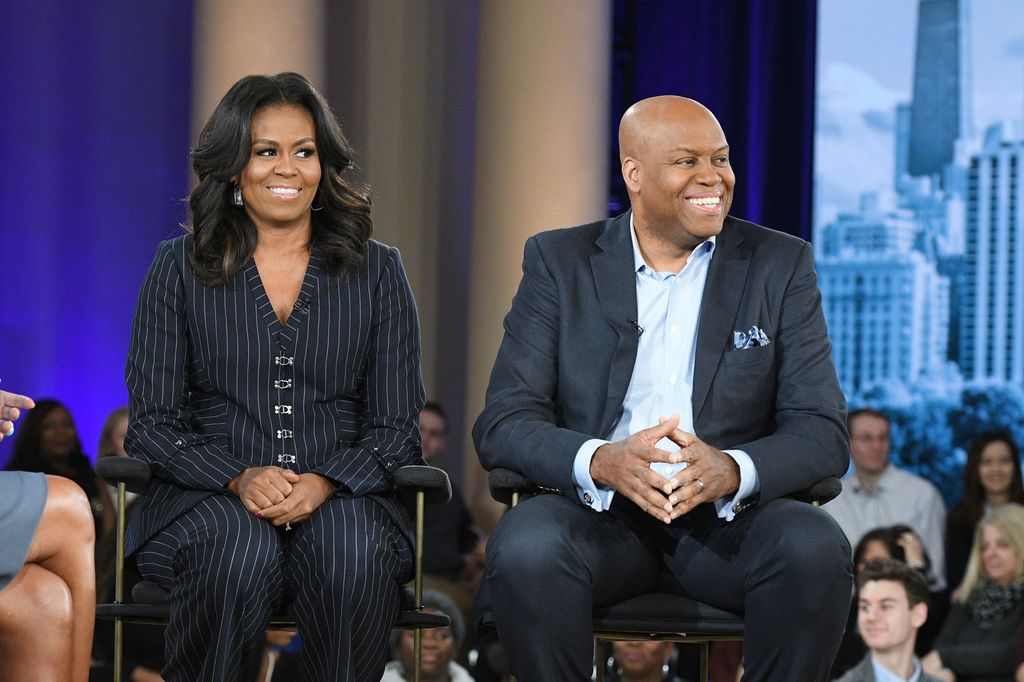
{"points": [[217, 385]]}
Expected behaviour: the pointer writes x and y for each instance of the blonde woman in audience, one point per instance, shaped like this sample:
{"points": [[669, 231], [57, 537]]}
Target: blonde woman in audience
{"points": [[986, 621]]}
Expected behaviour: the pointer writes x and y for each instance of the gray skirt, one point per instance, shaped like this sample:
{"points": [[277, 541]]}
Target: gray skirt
{"points": [[22, 496]]}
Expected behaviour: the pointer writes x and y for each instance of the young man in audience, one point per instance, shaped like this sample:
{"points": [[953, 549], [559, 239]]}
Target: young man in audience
{"points": [[892, 606], [878, 493]]}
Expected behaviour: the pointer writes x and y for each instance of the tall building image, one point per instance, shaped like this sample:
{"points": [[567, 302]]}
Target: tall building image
{"points": [[938, 113], [992, 318], [886, 305]]}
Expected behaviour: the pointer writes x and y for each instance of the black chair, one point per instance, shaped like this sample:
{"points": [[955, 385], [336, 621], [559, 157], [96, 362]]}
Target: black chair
{"points": [[654, 616], [418, 487]]}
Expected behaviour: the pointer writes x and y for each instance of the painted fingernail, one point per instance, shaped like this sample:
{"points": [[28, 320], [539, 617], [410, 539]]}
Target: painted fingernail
{"points": [[259, 515]]}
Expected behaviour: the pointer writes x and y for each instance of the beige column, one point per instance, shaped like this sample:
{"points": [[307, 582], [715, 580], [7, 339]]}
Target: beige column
{"points": [[235, 38], [541, 159]]}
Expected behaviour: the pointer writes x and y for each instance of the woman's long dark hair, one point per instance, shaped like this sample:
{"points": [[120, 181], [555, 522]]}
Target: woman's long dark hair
{"points": [[28, 455], [224, 235], [972, 507]]}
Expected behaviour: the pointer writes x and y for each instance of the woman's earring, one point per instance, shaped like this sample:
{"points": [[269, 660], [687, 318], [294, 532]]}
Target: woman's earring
{"points": [[236, 196]]}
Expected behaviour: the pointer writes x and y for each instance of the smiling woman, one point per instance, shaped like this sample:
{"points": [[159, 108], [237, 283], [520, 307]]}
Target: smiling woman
{"points": [[274, 387]]}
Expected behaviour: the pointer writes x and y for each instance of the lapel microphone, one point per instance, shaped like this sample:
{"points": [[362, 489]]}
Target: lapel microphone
{"points": [[636, 326]]}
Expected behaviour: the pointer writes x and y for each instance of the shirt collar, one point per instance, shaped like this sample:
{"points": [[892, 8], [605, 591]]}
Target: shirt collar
{"points": [[883, 674], [639, 264]]}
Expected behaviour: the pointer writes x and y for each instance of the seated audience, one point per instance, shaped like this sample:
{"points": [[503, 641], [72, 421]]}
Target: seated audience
{"points": [[47, 581], [986, 621], [48, 443], [112, 445], [892, 604], [878, 493], [992, 477], [643, 661], [439, 646], [898, 543], [453, 547]]}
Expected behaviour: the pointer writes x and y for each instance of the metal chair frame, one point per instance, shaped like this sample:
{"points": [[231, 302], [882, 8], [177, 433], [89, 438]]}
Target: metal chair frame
{"points": [[419, 486]]}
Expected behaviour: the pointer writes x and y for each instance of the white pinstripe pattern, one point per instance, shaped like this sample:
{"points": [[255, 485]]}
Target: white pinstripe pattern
{"points": [[201, 372]]}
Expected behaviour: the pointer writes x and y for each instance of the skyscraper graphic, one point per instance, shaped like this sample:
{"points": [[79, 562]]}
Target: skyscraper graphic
{"points": [[992, 320], [886, 305], [938, 114]]}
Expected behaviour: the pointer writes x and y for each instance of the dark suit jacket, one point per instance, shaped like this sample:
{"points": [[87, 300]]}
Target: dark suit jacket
{"points": [[217, 384], [569, 348]]}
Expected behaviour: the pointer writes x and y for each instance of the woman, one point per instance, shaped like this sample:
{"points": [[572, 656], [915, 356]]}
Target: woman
{"points": [[440, 645], [115, 428], [985, 624], [643, 661], [992, 477], [48, 443], [274, 387], [47, 595]]}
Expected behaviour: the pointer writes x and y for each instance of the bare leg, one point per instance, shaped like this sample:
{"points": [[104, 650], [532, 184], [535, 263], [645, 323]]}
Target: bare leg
{"points": [[36, 620], [63, 545]]}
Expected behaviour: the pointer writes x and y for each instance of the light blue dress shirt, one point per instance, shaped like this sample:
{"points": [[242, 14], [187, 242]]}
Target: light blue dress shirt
{"points": [[885, 675], [668, 306]]}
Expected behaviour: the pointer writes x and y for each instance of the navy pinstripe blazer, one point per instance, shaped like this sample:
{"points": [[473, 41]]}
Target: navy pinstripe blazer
{"points": [[217, 384]]}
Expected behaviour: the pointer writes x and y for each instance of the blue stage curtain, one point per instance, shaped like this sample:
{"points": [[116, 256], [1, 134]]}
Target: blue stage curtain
{"points": [[749, 61], [95, 137]]}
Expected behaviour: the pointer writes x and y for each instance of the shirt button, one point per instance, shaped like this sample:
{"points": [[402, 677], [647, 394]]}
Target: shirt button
{"points": [[588, 498], [672, 379], [675, 328]]}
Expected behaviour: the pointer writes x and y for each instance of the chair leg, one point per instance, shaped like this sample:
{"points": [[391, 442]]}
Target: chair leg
{"points": [[119, 581], [417, 651], [705, 648], [599, 660]]}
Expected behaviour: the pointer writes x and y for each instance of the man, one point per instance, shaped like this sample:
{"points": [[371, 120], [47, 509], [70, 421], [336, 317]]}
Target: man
{"points": [[878, 493], [892, 607], [661, 337]]}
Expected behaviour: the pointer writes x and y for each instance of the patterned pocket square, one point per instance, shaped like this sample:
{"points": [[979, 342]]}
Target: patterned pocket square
{"points": [[752, 338]]}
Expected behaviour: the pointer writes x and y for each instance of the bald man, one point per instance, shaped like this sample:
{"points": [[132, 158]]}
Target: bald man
{"points": [[671, 335]]}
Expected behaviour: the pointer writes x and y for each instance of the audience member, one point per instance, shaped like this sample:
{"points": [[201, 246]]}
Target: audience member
{"points": [[48, 443], [898, 543], [986, 621], [439, 646], [992, 477], [644, 661], [879, 494], [892, 604], [47, 581], [115, 427], [453, 548]]}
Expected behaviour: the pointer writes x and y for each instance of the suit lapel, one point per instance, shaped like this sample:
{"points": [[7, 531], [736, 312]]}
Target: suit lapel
{"points": [[615, 280], [723, 290]]}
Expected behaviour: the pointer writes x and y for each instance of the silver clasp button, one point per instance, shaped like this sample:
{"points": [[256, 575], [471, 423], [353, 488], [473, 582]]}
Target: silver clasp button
{"points": [[286, 459], [282, 409], [284, 433], [282, 383], [284, 360]]}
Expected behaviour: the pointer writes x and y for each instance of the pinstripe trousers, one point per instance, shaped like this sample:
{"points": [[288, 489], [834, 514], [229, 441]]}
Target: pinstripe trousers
{"points": [[227, 571]]}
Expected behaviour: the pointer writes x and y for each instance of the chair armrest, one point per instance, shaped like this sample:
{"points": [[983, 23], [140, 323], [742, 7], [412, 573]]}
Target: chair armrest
{"points": [[504, 482], [432, 480], [134, 472], [821, 492]]}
